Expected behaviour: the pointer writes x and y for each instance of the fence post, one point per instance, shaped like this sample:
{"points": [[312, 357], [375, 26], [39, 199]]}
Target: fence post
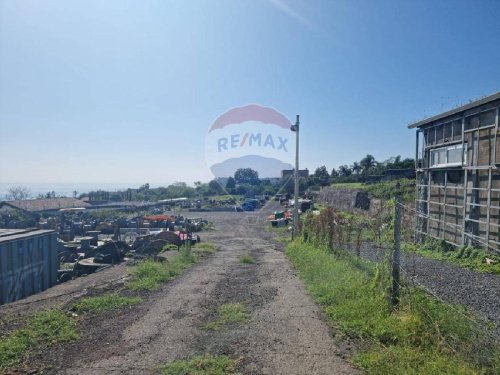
{"points": [[395, 264]]}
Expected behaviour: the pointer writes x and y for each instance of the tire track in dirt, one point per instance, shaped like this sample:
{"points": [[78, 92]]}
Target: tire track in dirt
{"points": [[286, 332]]}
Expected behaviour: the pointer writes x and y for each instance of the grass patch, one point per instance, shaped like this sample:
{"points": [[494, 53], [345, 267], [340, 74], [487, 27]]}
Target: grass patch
{"points": [[202, 365], [466, 257], [104, 303], [169, 247], [228, 313], [205, 247], [43, 329], [386, 190], [348, 185], [246, 259], [148, 274], [424, 336]]}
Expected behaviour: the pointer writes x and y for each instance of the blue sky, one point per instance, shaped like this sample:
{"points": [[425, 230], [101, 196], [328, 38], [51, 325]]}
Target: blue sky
{"points": [[124, 91]]}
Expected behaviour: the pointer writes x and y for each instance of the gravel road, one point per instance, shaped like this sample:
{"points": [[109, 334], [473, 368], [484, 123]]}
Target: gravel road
{"points": [[286, 334]]}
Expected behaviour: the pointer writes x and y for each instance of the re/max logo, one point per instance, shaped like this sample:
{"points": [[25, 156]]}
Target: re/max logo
{"points": [[253, 139]]}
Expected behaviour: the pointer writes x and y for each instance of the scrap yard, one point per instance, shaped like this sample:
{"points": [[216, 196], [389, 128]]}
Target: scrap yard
{"points": [[275, 187], [240, 262], [173, 317]]}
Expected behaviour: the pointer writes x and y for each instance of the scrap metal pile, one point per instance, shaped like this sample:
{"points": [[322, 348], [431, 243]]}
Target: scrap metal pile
{"points": [[83, 255]]}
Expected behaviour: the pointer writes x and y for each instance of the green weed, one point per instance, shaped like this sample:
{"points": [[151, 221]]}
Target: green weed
{"points": [[148, 274], [202, 365], [228, 313], [45, 328], [424, 336], [246, 259], [466, 257], [104, 303], [205, 247]]}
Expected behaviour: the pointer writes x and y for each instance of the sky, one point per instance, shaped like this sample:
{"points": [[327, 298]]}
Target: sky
{"points": [[125, 91]]}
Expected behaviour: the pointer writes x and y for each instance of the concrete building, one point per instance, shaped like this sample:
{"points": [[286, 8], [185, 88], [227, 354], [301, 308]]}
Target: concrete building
{"points": [[458, 180], [28, 262], [303, 173]]}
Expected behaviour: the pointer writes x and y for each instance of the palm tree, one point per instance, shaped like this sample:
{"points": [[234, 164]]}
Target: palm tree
{"points": [[367, 163], [356, 168]]}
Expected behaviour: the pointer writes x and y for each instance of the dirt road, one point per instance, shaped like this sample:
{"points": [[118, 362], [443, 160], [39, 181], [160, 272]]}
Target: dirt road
{"points": [[285, 334]]}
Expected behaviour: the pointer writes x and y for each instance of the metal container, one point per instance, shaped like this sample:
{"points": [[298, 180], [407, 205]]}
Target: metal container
{"points": [[28, 263], [95, 236]]}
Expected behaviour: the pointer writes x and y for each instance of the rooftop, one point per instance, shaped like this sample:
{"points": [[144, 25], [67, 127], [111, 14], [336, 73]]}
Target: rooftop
{"points": [[47, 204], [454, 111], [15, 234]]}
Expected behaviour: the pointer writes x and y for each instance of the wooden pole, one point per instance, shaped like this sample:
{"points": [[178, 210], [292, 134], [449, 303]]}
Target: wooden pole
{"points": [[396, 253]]}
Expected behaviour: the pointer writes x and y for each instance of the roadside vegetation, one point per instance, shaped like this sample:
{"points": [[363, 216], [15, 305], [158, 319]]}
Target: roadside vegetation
{"points": [[205, 247], [228, 313], [423, 336], [104, 303], [43, 329], [385, 190], [202, 365], [465, 256], [149, 274], [377, 229]]}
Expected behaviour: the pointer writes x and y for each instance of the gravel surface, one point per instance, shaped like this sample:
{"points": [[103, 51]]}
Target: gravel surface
{"points": [[476, 290], [286, 332]]}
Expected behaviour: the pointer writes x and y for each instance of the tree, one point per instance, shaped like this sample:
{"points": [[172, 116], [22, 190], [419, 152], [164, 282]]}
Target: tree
{"points": [[18, 193], [321, 173], [334, 173], [215, 187], [356, 168], [50, 194], [246, 176], [75, 193], [321, 176], [231, 183], [367, 163], [344, 171]]}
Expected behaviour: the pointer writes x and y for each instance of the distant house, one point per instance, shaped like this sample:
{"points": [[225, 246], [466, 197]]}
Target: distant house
{"points": [[303, 173], [45, 205], [458, 176]]}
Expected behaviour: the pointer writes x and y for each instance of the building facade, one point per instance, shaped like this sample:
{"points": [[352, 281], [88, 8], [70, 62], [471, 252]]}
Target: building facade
{"points": [[458, 178]]}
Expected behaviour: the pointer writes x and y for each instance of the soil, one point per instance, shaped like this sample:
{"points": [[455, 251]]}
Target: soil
{"points": [[286, 332]]}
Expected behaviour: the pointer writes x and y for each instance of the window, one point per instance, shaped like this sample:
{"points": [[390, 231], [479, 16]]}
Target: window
{"points": [[447, 156], [457, 130], [447, 132], [480, 120], [437, 178], [439, 134], [430, 136], [456, 176]]}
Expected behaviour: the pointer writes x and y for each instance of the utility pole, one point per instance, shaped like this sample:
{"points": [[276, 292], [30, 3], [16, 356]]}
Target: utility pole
{"points": [[295, 128], [396, 253]]}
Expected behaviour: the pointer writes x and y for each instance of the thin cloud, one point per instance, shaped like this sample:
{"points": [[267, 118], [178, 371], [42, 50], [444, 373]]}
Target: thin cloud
{"points": [[285, 8]]}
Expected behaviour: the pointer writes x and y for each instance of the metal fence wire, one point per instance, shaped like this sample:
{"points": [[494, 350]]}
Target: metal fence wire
{"points": [[372, 239]]}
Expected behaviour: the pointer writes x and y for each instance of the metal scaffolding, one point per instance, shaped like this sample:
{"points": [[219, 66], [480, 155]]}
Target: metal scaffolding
{"points": [[459, 201]]}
